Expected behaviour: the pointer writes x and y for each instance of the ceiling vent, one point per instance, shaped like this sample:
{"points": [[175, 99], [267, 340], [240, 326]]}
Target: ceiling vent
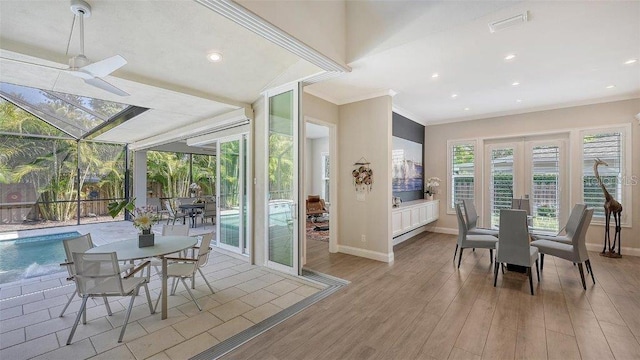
{"points": [[508, 22]]}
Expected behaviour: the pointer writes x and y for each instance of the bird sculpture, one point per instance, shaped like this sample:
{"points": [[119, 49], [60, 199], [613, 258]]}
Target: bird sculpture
{"points": [[611, 207]]}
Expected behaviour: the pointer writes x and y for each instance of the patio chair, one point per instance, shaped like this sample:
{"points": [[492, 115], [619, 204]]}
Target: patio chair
{"points": [[80, 244], [156, 204], [182, 268], [575, 252], [513, 244], [471, 241], [172, 214], [209, 212], [98, 274]]}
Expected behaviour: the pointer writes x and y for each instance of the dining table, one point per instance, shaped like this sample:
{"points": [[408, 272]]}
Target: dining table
{"points": [[163, 245], [193, 211]]}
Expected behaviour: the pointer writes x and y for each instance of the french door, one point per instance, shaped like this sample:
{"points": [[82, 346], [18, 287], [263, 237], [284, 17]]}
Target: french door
{"points": [[282, 178], [232, 213], [531, 169]]}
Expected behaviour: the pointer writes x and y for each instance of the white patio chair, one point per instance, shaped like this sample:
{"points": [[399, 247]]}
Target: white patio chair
{"points": [[183, 268], [98, 274]]}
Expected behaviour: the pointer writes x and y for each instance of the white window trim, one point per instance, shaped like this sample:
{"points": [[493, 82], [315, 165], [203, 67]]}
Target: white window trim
{"points": [[627, 181], [450, 144], [323, 179]]}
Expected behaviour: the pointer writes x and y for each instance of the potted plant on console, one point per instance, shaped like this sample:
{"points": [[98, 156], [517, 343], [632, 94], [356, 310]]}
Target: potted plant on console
{"points": [[431, 186]]}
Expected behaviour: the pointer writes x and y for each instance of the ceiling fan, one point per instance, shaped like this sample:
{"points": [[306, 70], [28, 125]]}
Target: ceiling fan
{"points": [[80, 66]]}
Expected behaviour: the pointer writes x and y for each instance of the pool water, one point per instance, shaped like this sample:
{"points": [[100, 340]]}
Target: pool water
{"points": [[33, 256]]}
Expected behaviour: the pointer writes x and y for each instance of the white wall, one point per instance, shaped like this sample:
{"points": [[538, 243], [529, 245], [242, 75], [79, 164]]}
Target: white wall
{"points": [[560, 120], [364, 130], [317, 148]]}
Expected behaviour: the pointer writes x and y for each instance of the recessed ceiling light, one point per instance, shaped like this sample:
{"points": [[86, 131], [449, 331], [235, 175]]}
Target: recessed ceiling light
{"points": [[515, 83], [214, 56], [519, 100], [611, 86], [435, 75], [510, 57], [631, 61], [453, 96], [466, 109]]}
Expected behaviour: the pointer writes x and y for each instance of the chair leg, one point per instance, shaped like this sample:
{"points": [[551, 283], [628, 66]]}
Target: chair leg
{"points": [[174, 287], [590, 269], [495, 273], [584, 285], [537, 270], [530, 279], [455, 253], [190, 293], [491, 255], [126, 318], [106, 304], [68, 302], [205, 280], [460, 257], [146, 290], [75, 324], [541, 261], [155, 307]]}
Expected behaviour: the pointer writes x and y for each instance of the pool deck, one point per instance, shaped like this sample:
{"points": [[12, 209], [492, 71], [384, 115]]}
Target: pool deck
{"points": [[30, 326]]}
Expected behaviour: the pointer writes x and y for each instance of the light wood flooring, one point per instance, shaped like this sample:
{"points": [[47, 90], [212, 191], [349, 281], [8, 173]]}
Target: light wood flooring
{"points": [[423, 307]]}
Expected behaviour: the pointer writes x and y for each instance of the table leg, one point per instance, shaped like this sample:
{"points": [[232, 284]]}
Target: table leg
{"points": [[164, 288]]}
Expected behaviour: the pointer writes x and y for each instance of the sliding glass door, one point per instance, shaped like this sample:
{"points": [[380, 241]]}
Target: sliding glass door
{"points": [[282, 179]]}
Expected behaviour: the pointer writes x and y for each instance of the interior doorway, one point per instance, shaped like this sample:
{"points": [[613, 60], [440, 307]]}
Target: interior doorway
{"points": [[320, 195]]}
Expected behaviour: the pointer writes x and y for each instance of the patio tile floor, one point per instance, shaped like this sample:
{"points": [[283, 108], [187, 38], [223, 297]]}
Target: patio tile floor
{"points": [[30, 326]]}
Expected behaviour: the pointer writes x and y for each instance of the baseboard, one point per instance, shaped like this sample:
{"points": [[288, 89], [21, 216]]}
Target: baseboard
{"points": [[444, 230], [400, 238], [624, 251], [373, 255]]}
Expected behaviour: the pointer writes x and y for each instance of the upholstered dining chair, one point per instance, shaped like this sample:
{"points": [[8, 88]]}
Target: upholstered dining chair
{"points": [[472, 220], [98, 274], [569, 229], [575, 252], [471, 241], [513, 244]]}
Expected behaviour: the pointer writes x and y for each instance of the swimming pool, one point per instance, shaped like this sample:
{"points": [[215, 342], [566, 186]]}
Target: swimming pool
{"points": [[32, 256]]}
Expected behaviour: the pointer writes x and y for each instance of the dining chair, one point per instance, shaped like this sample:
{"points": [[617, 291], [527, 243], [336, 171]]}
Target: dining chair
{"points": [[81, 244], [513, 244], [172, 215], [575, 252], [472, 220], [155, 204], [471, 241], [521, 204], [569, 229], [209, 211], [98, 274], [181, 268]]}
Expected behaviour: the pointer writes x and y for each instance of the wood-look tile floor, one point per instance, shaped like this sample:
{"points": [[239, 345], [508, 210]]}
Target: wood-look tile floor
{"points": [[423, 307]]}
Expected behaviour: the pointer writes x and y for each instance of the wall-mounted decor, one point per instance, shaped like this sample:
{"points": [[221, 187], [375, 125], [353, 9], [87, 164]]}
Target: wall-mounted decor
{"points": [[406, 160], [362, 175]]}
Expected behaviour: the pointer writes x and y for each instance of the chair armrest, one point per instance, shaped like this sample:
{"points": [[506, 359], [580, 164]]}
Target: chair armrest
{"points": [[67, 263], [137, 269], [180, 259]]}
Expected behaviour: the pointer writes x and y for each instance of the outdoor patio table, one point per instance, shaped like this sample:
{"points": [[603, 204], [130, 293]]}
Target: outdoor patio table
{"points": [[192, 211], [128, 250]]}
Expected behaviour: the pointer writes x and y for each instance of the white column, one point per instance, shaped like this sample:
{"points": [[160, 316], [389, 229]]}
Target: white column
{"points": [[140, 177]]}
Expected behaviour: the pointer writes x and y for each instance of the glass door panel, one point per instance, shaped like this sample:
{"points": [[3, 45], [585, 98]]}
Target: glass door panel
{"points": [[282, 244], [501, 180], [229, 195], [544, 186]]}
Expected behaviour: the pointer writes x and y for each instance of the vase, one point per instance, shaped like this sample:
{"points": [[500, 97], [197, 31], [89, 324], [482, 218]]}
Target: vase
{"points": [[146, 238], [430, 197]]}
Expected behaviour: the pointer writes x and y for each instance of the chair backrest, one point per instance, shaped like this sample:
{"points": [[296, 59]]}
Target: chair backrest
{"points": [[574, 219], [470, 213], [78, 244], [513, 238], [175, 230], [97, 273], [203, 252], [154, 203], [521, 204], [209, 208], [580, 238], [462, 226], [167, 204]]}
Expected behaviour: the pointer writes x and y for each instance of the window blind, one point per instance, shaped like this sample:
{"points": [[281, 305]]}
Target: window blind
{"points": [[545, 187], [608, 148], [463, 173]]}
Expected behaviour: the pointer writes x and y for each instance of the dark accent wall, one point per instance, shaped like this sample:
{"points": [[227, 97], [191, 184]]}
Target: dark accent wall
{"points": [[412, 131]]}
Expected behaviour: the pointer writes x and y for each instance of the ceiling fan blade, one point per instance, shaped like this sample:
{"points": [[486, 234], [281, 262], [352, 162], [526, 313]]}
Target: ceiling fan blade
{"points": [[99, 83], [105, 67]]}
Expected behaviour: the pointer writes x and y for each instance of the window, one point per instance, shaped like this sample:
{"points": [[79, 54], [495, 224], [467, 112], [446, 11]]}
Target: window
{"points": [[325, 177], [610, 146], [462, 155]]}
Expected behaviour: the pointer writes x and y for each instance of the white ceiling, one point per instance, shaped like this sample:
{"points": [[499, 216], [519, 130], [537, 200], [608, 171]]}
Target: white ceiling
{"points": [[567, 54]]}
